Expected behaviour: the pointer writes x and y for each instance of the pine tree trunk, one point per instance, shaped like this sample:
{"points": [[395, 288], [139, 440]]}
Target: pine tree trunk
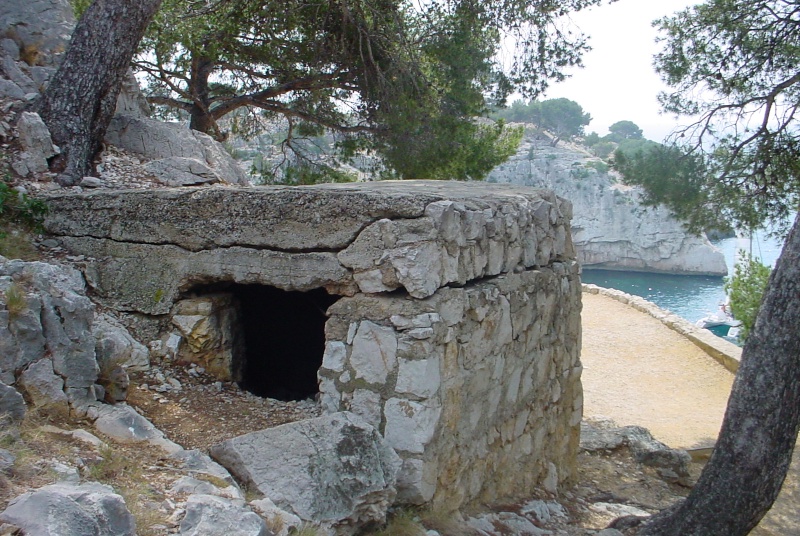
{"points": [[201, 118], [754, 449], [79, 102]]}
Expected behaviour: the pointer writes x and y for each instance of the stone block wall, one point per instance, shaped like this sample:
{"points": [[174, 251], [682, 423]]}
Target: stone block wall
{"points": [[477, 388]]}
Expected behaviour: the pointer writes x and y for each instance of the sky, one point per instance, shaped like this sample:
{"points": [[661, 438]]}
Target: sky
{"points": [[618, 81]]}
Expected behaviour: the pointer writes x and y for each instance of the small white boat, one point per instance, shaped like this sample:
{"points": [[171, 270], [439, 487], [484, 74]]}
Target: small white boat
{"points": [[720, 322]]}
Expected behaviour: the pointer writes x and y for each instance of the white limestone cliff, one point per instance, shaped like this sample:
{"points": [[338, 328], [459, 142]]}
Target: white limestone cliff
{"points": [[611, 229]]}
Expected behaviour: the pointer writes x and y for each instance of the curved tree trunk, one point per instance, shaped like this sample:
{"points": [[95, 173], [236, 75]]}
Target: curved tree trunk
{"points": [[79, 102], [201, 118], [754, 449]]}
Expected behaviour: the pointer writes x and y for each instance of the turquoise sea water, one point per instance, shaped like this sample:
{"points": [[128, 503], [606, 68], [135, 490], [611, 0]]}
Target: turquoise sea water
{"points": [[690, 297]]}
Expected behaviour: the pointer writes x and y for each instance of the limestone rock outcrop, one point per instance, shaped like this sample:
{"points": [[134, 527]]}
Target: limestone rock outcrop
{"points": [[611, 229], [178, 156], [114, 345], [603, 436], [40, 29], [209, 515], [46, 344], [336, 470], [124, 424], [12, 405], [50, 339], [37, 146]]}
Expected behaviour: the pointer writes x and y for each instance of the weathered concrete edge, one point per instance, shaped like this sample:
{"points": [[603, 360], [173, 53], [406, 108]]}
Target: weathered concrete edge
{"points": [[726, 353]]}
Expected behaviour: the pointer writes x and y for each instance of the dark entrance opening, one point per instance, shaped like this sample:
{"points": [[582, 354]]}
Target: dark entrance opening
{"points": [[284, 338]]}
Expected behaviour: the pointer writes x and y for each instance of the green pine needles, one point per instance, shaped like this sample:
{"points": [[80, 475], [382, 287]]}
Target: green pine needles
{"points": [[20, 215], [746, 289]]}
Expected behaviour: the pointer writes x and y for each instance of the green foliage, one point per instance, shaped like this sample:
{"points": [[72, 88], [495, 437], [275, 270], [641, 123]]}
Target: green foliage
{"points": [[624, 135], [672, 177], [593, 138], [20, 208], [579, 172], [112, 466], [634, 145], [303, 174], [15, 300], [79, 6], [603, 149], [429, 71], [624, 130], [746, 289], [448, 150], [732, 66], [562, 117], [20, 216], [518, 112], [600, 167], [403, 80]]}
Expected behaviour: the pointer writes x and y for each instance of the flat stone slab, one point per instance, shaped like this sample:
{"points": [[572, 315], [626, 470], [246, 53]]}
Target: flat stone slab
{"points": [[122, 423], [348, 238], [304, 218], [335, 470]]}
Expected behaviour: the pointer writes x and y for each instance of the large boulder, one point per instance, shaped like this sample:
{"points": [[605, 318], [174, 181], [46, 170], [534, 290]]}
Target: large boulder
{"points": [[671, 464], [89, 509], [335, 470], [182, 171], [44, 388], [37, 147], [131, 102], [603, 436], [279, 520], [175, 148], [198, 464]]}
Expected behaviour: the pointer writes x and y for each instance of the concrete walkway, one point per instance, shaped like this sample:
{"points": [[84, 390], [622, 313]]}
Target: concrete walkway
{"points": [[638, 371]]}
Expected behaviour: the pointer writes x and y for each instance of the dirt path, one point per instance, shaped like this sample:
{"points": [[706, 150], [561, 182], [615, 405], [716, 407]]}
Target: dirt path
{"points": [[638, 371]]}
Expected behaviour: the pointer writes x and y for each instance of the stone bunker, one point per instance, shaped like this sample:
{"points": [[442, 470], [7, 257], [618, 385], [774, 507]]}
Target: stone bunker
{"points": [[445, 314]]}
